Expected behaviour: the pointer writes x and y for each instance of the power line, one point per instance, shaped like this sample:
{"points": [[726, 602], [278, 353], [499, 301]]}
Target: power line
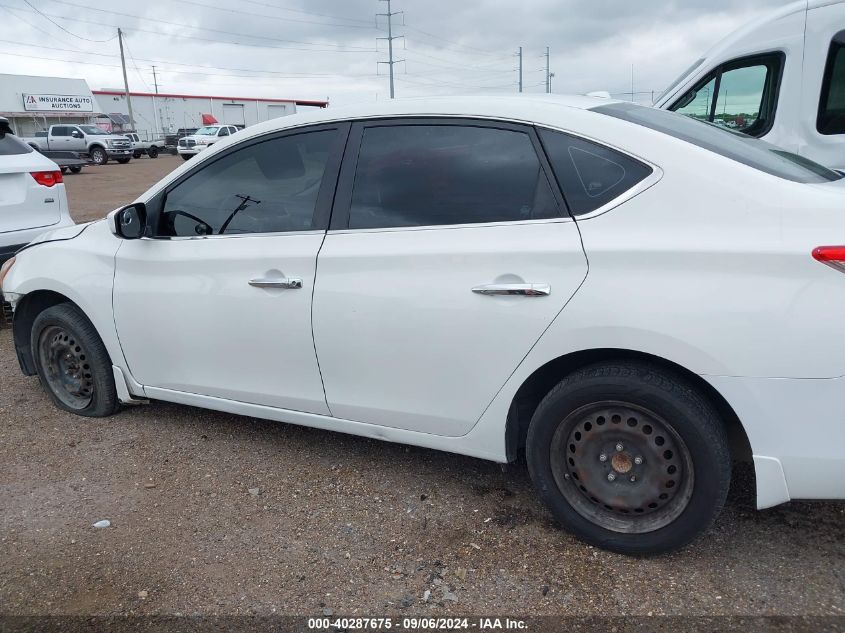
{"points": [[87, 39], [338, 47], [456, 44], [323, 15], [272, 17]]}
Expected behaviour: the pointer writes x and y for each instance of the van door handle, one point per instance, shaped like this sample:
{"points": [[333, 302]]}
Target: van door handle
{"points": [[290, 283], [520, 290]]}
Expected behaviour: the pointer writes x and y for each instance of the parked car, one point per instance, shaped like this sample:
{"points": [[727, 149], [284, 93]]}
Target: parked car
{"points": [[190, 146], [32, 196], [780, 78], [89, 140], [630, 297], [139, 147]]}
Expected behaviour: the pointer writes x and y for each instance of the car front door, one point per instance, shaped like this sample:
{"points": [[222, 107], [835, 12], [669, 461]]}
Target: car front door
{"points": [[217, 300], [450, 252], [76, 140]]}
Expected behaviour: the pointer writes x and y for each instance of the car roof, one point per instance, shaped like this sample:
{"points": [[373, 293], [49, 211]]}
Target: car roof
{"points": [[535, 108]]}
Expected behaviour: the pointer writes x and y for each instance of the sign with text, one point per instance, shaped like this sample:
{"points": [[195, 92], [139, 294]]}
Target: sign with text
{"points": [[64, 103]]}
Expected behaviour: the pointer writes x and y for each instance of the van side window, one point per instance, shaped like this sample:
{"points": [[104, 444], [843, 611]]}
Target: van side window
{"points": [[740, 95], [831, 119]]}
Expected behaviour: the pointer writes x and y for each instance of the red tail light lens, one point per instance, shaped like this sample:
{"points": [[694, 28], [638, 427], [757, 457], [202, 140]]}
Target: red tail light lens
{"points": [[47, 178], [833, 256]]}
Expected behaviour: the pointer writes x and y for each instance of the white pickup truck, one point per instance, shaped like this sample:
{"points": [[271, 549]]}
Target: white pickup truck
{"points": [[98, 144], [780, 78], [139, 147]]}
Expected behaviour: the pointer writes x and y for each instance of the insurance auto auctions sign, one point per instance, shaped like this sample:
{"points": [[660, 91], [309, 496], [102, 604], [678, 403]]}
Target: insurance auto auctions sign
{"points": [[41, 103]]}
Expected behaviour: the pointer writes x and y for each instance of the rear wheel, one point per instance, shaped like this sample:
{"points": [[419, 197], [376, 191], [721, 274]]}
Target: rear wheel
{"points": [[99, 156], [72, 362], [629, 457]]}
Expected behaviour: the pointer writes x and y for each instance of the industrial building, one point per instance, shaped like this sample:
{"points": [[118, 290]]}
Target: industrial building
{"points": [[34, 103]]}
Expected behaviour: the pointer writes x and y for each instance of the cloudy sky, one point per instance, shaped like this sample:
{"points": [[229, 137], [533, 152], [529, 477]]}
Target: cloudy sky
{"points": [[328, 48]]}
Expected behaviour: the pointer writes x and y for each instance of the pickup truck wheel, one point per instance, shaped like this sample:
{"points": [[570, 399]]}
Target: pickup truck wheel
{"points": [[64, 169], [72, 362], [123, 161], [152, 152], [629, 457], [99, 156], [136, 154], [185, 156], [76, 169]]}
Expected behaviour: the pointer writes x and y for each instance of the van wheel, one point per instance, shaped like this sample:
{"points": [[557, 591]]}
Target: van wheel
{"points": [[99, 156], [72, 362], [629, 457]]}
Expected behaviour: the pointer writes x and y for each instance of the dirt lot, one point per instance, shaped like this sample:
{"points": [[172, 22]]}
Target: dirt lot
{"points": [[218, 514]]}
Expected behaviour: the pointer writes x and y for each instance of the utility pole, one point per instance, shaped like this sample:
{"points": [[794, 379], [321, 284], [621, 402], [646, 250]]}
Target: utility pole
{"points": [[156, 113], [548, 74], [125, 80], [519, 54], [390, 37]]}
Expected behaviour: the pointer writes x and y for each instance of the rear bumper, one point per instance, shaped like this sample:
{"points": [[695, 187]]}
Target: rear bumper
{"points": [[796, 428]]}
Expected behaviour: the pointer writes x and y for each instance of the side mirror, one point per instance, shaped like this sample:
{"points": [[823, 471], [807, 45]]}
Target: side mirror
{"points": [[129, 222], [76, 134]]}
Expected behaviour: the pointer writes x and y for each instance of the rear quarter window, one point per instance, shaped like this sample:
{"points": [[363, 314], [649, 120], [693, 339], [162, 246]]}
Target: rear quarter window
{"points": [[590, 175], [736, 146]]}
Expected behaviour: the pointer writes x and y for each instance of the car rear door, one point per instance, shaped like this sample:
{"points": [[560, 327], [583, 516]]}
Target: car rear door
{"points": [[217, 301], [24, 203], [450, 252]]}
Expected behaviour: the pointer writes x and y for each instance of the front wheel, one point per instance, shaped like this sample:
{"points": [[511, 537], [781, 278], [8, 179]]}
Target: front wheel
{"points": [[136, 155], [629, 457], [152, 152], [185, 156], [123, 161], [99, 156], [72, 362], [76, 169]]}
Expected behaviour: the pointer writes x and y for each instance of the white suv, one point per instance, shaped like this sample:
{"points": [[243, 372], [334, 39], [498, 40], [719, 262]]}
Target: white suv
{"points": [[612, 290], [190, 146], [32, 195]]}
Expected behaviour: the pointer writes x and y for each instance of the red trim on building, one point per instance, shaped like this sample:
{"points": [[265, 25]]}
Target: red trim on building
{"points": [[303, 102]]}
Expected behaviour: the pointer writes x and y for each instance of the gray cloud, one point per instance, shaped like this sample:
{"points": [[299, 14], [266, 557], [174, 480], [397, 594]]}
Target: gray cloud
{"points": [[326, 48]]}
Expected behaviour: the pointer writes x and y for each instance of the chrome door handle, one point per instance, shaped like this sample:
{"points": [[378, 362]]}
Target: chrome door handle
{"points": [[521, 290], [291, 283]]}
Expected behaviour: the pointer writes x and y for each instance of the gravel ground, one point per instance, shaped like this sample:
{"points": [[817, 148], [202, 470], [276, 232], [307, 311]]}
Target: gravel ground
{"points": [[218, 514]]}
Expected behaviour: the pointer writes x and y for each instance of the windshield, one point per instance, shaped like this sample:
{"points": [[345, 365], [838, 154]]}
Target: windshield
{"points": [[92, 129], [207, 131], [734, 145]]}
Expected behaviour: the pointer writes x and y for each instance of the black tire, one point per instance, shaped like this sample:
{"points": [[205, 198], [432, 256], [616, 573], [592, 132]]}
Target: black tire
{"points": [[185, 156], [623, 418], [98, 155], [123, 161], [72, 362], [152, 152], [63, 169], [76, 169], [136, 154]]}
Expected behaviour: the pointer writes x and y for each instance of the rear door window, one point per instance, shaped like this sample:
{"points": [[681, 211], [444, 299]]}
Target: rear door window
{"points": [[591, 175], [831, 118], [432, 175]]}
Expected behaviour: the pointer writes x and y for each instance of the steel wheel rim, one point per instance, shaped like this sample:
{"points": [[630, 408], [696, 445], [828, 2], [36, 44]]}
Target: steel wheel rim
{"points": [[622, 467], [66, 367]]}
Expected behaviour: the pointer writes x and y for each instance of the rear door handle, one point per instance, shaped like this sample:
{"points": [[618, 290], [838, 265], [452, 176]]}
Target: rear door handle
{"points": [[290, 283], [521, 290]]}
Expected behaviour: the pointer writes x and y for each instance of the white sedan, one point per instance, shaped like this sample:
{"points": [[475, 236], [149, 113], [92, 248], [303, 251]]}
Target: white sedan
{"points": [[32, 194], [630, 298]]}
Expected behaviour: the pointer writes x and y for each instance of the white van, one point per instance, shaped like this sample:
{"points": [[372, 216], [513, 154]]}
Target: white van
{"points": [[780, 78]]}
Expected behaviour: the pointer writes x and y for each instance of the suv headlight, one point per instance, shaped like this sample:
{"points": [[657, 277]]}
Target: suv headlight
{"points": [[109, 142]]}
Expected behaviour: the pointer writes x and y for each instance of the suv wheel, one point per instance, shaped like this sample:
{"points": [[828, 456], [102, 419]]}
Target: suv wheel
{"points": [[72, 362], [629, 457], [99, 156]]}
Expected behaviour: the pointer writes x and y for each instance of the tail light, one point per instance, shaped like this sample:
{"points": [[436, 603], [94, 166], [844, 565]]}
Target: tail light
{"points": [[833, 256], [47, 178]]}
